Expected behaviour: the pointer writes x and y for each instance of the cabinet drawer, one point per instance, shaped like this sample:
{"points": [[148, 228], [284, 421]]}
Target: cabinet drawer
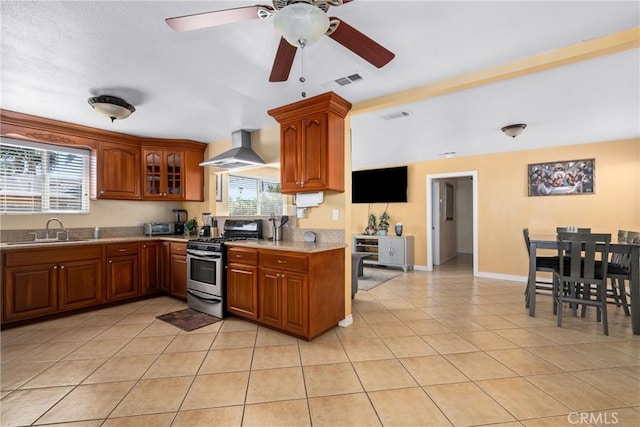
{"points": [[53, 254], [120, 249], [284, 261], [179, 248], [243, 256]]}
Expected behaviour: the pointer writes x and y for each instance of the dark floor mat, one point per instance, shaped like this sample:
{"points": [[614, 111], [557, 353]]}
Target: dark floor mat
{"points": [[188, 319]]}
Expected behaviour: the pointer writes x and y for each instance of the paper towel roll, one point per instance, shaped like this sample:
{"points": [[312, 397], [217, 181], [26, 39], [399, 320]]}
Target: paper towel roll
{"points": [[308, 200]]}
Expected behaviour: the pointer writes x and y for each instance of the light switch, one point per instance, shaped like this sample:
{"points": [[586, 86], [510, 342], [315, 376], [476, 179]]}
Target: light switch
{"points": [[336, 214]]}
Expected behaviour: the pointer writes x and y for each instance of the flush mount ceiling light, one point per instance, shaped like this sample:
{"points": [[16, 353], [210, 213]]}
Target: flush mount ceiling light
{"points": [[111, 106], [301, 24], [513, 130]]}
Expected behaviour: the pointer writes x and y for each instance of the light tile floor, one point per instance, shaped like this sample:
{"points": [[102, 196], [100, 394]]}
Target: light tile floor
{"points": [[426, 348]]}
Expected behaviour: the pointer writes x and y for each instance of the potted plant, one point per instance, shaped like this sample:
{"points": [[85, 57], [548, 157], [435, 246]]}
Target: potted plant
{"points": [[383, 223], [371, 225]]}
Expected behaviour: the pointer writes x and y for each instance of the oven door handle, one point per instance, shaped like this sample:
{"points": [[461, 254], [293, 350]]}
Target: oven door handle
{"points": [[214, 300], [204, 255]]}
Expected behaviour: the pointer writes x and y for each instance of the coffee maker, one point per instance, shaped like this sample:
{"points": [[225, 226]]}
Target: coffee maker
{"points": [[205, 230], [181, 218]]}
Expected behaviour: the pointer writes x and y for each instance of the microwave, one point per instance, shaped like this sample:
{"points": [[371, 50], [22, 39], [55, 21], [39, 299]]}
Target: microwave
{"points": [[157, 228]]}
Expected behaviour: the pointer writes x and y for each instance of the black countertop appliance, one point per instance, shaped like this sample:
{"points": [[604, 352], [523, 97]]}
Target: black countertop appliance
{"points": [[181, 217]]}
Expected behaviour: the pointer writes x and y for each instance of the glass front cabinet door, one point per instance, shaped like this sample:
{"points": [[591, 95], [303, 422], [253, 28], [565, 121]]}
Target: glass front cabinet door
{"points": [[163, 174]]}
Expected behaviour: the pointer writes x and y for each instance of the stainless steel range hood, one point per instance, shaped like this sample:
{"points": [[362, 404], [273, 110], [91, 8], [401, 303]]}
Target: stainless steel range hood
{"points": [[240, 156]]}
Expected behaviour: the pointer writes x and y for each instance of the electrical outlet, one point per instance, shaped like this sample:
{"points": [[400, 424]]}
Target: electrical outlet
{"points": [[137, 224], [336, 214]]}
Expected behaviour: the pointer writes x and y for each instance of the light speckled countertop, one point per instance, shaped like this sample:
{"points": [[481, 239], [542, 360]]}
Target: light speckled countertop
{"points": [[285, 245], [28, 245]]}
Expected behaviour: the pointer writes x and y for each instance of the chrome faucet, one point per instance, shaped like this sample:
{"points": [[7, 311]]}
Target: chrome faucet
{"points": [[46, 230]]}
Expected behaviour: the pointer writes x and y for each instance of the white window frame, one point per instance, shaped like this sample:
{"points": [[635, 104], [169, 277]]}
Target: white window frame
{"points": [[260, 184], [38, 185]]}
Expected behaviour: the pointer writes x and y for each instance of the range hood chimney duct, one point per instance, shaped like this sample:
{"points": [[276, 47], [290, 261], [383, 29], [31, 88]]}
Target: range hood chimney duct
{"points": [[240, 156]]}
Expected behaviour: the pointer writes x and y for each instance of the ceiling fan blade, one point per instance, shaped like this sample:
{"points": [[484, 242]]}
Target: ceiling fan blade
{"points": [[360, 44], [283, 61], [215, 18]]}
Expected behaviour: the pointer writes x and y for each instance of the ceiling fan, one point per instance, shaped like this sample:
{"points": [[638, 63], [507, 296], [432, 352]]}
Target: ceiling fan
{"points": [[301, 22]]}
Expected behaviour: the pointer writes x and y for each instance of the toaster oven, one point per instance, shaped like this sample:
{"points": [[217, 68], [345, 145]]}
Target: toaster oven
{"points": [[157, 228]]}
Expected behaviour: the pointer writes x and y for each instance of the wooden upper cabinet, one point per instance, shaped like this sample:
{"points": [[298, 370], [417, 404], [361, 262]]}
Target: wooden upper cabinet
{"points": [[163, 174], [127, 167], [172, 173], [118, 171], [312, 142]]}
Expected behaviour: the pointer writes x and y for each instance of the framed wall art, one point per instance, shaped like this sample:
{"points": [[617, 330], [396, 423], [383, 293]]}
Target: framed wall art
{"points": [[218, 187], [562, 177]]}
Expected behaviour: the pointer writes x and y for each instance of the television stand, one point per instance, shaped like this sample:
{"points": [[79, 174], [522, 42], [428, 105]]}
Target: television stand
{"points": [[389, 251]]}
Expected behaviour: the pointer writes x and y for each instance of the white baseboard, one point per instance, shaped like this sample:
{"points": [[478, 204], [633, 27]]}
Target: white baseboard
{"points": [[347, 321], [499, 276]]}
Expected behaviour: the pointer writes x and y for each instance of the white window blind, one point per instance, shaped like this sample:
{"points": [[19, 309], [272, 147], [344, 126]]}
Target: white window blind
{"points": [[254, 196], [43, 178]]}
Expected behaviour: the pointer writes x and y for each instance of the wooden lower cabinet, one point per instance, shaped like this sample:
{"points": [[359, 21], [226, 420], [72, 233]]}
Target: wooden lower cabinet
{"points": [[178, 270], [298, 293], [29, 291], [270, 297], [78, 285], [283, 300], [122, 271], [242, 282], [150, 262], [39, 282], [242, 294], [295, 303]]}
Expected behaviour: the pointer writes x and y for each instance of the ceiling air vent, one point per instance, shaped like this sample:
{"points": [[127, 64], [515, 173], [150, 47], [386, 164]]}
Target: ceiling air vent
{"points": [[343, 81], [396, 115], [447, 154]]}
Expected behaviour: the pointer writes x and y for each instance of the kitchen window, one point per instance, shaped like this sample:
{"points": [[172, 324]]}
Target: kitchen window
{"points": [[43, 178], [254, 196]]}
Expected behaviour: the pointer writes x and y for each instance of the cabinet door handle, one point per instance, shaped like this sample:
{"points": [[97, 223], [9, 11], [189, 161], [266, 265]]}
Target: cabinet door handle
{"points": [[122, 250], [239, 256], [62, 267], [144, 246], [55, 267], [110, 261], [281, 261]]}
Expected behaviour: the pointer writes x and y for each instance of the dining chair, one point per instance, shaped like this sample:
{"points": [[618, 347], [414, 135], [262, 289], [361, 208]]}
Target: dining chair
{"points": [[620, 274], [581, 273], [548, 264]]}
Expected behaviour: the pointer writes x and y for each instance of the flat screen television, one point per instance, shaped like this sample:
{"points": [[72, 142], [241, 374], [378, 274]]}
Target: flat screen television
{"points": [[386, 185]]}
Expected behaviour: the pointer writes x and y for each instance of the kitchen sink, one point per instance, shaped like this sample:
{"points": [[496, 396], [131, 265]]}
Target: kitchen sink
{"points": [[46, 241]]}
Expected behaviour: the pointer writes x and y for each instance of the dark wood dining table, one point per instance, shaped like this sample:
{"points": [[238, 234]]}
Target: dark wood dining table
{"points": [[550, 242]]}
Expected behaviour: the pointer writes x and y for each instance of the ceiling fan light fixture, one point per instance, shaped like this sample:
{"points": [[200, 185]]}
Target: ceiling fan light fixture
{"points": [[301, 24], [514, 130], [111, 106]]}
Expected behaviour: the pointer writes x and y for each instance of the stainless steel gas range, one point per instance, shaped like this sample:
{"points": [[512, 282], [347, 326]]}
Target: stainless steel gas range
{"points": [[206, 266]]}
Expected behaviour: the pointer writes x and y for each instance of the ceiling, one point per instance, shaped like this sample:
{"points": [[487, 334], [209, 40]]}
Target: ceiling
{"points": [[204, 84]]}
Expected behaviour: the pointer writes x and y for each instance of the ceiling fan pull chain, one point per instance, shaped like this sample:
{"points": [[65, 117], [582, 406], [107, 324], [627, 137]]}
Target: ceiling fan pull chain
{"points": [[303, 43]]}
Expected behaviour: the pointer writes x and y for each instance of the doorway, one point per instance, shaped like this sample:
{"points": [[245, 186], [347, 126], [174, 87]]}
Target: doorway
{"points": [[436, 203]]}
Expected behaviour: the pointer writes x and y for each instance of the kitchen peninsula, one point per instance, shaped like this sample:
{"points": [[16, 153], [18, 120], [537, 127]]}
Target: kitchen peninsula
{"points": [[294, 287]]}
